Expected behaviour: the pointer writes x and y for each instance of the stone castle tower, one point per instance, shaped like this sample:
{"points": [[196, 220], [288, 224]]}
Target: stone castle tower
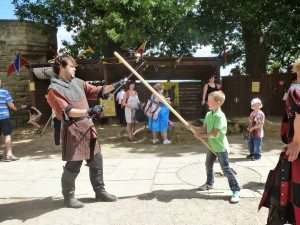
{"points": [[32, 43]]}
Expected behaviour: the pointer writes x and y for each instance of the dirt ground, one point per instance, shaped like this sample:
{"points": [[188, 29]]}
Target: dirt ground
{"points": [[113, 140], [158, 207]]}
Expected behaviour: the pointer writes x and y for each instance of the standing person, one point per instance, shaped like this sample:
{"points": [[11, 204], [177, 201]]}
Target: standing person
{"points": [[120, 108], [68, 97], [34, 115], [130, 101], [215, 128], [5, 125], [161, 123], [209, 87], [282, 188], [56, 127], [256, 129]]}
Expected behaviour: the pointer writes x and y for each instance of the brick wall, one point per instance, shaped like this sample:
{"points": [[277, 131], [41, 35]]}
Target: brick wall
{"points": [[32, 44]]}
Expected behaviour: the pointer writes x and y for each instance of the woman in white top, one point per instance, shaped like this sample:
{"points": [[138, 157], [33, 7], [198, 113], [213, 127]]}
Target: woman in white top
{"points": [[130, 102]]}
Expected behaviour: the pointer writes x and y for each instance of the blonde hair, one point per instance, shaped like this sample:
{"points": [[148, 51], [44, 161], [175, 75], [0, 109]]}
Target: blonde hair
{"points": [[158, 87], [296, 65], [218, 96]]}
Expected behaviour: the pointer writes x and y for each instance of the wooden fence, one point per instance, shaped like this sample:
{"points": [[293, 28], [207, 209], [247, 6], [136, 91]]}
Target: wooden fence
{"points": [[240, 90]]}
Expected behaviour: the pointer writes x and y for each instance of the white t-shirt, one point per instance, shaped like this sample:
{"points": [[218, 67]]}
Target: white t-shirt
{"points": [[120, 96]]}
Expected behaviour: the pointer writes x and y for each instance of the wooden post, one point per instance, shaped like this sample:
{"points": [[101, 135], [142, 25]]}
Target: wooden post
{"points": [[31, 79], [46, 126]]}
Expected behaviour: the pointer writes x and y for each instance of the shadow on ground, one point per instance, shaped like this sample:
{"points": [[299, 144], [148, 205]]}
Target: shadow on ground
{"points": [[169, 195], [24, 210]]}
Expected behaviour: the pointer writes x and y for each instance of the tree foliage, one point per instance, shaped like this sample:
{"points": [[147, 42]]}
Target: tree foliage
{"points": [[109, 25], [260, 32], [253, 30]]}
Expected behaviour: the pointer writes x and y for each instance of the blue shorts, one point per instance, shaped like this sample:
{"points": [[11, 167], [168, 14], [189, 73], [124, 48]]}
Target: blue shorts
{"points": [[5, 127]]}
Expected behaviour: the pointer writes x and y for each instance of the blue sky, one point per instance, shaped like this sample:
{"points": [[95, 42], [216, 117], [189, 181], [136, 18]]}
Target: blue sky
{"points": [[7, 12]]}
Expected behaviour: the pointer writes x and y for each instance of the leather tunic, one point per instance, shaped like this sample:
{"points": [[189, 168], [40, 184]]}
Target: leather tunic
{"points": [[78, 135]]}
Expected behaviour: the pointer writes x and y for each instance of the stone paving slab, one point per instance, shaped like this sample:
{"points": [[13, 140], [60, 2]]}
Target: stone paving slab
{"points": [[132, 177]]}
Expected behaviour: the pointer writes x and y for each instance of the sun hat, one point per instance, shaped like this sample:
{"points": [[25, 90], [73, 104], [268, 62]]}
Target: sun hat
{"points": [[255, 100]]}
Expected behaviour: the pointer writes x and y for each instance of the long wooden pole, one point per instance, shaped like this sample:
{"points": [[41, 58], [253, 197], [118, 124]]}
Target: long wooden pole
{"points": [[158, 95], [46, 126]]}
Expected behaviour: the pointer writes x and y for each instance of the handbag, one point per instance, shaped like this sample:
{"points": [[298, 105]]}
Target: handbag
{"points": [[140, 115]]}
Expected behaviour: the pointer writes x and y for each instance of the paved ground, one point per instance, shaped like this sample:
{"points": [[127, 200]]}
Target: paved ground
{"points": [[152, 189], [130, 177]]}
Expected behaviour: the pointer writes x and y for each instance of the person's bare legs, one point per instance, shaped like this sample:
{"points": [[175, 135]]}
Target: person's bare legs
{"points": [[129, 129], [155, 138], [155, 135], [164, 136], [8, 145], [33, 121]]}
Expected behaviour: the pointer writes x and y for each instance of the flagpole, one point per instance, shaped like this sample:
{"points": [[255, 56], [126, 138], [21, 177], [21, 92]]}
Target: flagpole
{"points": [[158, 96]]}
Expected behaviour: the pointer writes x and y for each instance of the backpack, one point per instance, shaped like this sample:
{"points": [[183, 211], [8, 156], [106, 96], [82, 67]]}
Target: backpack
{"points": [[152, 109]]}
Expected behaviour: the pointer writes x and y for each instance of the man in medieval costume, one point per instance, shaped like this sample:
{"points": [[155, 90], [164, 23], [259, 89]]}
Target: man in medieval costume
{"points": [[282, 190], [68, 97]]}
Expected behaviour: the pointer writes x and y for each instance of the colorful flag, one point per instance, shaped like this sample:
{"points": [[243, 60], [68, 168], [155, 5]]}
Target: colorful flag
{"points": [[178, 60], [83, 52], [90, 50], [18, 63], [141, 49]]}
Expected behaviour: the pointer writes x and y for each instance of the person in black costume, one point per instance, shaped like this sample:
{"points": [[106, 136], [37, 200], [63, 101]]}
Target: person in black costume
{"points": [[209, 87]]}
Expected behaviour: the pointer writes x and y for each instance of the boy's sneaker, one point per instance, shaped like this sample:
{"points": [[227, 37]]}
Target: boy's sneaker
{"points": [[255, 158], [206, 187], [154, 141], [235, 198], [250, 156], [166, 142]]}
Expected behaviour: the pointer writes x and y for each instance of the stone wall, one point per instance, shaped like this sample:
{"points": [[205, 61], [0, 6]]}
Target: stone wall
{"points": [[27, 39]]}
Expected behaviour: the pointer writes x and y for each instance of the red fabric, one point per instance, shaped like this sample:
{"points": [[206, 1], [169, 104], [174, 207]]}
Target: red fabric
{"points": [[284, 193], [296, 96], [18, 63], [23, 62], [91, 91], [57, 102], [296, 171], [296, 179], [10, 69]]}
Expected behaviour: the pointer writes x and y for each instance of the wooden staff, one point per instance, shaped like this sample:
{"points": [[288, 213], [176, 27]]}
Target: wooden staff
{"points": [[46, 126], [158, 96]]}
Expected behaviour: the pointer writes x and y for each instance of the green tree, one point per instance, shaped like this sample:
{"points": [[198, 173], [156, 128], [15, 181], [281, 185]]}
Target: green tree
{"points": [[118, 25], [257, 31]]}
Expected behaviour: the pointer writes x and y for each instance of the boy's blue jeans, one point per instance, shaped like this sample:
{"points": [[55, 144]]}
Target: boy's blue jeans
{"points": [[254, 145], [224, 163]]}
